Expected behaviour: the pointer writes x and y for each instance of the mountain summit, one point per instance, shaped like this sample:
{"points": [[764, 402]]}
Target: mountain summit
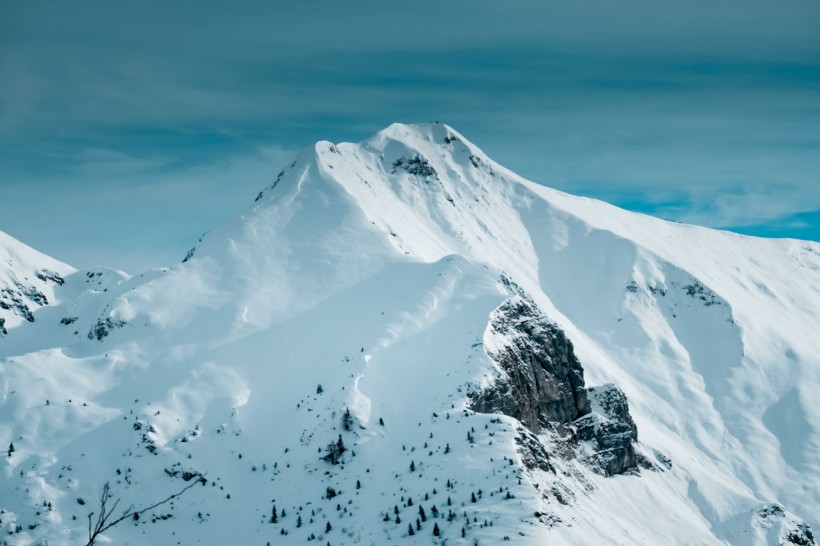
{"points": [[402, 342]]}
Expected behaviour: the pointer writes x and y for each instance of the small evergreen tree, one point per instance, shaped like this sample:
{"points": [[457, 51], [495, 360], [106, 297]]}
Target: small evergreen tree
{"points": [[11, 449], [422, 515], [410, 530], [412, 466], [273, 517], [319, 389], [328, 527], [436, 530], [347, 420]]}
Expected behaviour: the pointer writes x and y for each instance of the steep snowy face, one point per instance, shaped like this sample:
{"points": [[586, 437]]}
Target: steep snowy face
{"points": [[318, 361], [27, 282]]}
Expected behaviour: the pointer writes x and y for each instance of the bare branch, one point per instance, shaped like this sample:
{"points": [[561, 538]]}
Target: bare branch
{"points": [[104, 521]]}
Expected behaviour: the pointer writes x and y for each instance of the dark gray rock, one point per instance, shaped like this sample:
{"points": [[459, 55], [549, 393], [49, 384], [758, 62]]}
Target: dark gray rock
{"points": [[792, 530], [609, 432], [542, 381], [103, 327], [12, 300], [416, 165], [541, 384], [533, 453], [46, 275]]}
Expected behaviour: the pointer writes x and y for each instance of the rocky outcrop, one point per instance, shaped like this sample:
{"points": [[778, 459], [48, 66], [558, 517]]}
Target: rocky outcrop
{"points": [[46, 275], [779, 526], [608, 432], [13, 300], [533, 453], [416, 165], [542, 381], [103, 327]]}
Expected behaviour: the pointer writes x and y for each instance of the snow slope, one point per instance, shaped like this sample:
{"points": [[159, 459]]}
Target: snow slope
{"points": [[372, 270], [27, 282]]}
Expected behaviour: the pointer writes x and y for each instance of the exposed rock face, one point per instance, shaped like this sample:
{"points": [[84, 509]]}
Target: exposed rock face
{"points": [[779, 526], [542, 385], [103, 327], [533, 453], [608, 431], [14, 300], [542, 381]]}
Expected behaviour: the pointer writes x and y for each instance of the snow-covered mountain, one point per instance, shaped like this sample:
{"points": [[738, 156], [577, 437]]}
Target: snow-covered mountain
{"points": [[27, 282], [403, 342]]}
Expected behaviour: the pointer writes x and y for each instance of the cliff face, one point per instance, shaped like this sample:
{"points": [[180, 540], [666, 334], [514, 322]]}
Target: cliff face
{"points": [[608, 432], [541, 383]]}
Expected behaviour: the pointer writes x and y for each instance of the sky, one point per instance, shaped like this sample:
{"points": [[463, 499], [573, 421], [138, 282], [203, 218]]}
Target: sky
{"points": [[129, 129]]}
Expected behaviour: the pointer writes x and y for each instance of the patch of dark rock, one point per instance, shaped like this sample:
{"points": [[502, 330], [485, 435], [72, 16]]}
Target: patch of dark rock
{"points": [[416, 165], [542, 381], [658, 462], [11, 300], [68, 320], [47, 275], [609, 431], [30, 292], [657, 290], [532, 452], [698, 291], [103, 327], [562, 494], [802, 536]]}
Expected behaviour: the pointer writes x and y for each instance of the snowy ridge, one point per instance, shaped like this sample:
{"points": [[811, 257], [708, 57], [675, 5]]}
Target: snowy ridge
{"points": [[317, 355]]}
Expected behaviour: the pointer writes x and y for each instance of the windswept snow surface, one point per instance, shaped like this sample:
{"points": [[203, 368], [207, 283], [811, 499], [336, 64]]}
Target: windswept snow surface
{"points": [[371, 270]]}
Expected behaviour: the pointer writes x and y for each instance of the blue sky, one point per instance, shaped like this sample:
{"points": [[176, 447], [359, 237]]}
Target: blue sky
{"points": [[127, 132]]}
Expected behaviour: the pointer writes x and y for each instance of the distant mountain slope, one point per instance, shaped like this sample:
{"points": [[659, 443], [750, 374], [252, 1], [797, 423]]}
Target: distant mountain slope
{"points": [[27, 282], [402, 337]]}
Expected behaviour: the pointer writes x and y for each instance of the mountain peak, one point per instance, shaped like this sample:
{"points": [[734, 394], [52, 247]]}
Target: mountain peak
{"points": [[424, 138]]}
